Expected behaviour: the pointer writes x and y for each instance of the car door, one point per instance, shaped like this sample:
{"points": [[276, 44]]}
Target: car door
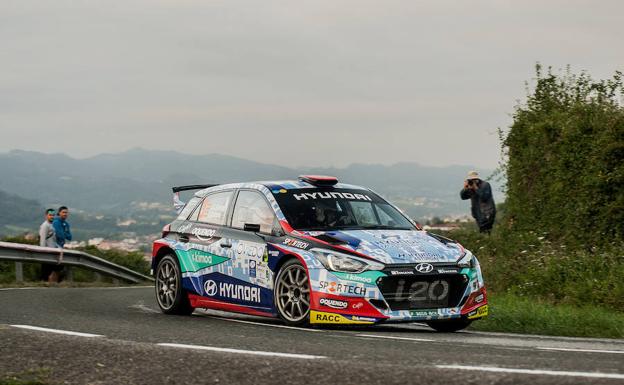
{"points": [[204, 256], [252, 223]]}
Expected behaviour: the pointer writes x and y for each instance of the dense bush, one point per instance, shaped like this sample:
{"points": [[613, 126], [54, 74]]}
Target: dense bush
{"points": [[565, 159], [560, 237], [527, 264]]}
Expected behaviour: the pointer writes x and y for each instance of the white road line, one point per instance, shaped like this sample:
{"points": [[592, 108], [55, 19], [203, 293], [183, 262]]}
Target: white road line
{"points": [[115, 287], [542, 337], [582, 350], [56, 331], [531, 371], [269, 324], [143, 308], [20, 288], [239, 351], [395, 338]]}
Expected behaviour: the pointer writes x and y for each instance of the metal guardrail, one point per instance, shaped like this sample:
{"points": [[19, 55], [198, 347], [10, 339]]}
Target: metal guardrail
{"points": [[20, 252]]}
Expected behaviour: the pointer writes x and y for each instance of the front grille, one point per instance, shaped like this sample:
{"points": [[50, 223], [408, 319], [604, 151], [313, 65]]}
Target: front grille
{"points": [[409, 292]]}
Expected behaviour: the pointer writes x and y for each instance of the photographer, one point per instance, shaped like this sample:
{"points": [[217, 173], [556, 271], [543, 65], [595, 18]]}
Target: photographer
{"points": [[480, 194]]}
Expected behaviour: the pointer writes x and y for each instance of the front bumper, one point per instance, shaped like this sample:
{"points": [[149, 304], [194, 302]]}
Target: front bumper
{"points": [[397, 294]]}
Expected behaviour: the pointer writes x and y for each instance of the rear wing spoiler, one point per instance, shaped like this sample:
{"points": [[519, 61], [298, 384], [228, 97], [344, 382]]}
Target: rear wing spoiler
{"points": [[192, 187], [177, 203]]}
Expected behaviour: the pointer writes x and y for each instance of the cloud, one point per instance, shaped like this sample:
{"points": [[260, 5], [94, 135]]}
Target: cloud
{"points": [[313, 82]]}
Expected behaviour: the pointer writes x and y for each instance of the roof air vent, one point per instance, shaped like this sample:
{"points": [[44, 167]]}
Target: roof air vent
{"points": [[319, 180]]}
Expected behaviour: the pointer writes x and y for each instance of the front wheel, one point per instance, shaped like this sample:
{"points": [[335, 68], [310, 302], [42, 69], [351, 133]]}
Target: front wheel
{"points": [[171, 297], [292, 293], [449, 326]]}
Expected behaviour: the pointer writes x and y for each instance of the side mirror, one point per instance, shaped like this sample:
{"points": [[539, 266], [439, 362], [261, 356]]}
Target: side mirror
{"points": [[277, 232], [253, 227]]}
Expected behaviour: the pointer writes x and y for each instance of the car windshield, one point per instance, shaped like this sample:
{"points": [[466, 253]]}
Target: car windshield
{"points": [[324, 209]]}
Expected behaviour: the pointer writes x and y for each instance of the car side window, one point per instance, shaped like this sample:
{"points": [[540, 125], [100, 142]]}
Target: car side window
{"points": [[252, 207], [214, 208], [192, 203]]}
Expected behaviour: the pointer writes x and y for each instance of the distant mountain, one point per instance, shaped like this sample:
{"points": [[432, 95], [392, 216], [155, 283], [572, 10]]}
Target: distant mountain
{"points": [[115, 184], [18, 214]]}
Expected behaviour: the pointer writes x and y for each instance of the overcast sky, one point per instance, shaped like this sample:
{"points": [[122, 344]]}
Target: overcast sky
{"points": [[317, 83]]}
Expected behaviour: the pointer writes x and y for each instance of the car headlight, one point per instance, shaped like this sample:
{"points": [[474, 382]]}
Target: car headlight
{"points": [[467, 260], [345, 263]]}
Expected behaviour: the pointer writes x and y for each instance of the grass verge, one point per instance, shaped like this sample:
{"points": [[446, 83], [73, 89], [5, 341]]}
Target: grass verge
{"points": [[30, 377], [515, 314]]}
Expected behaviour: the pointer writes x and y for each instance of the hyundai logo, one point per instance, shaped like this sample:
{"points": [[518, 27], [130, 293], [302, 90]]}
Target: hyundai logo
{"points": [[210, 287], [424, 267]]}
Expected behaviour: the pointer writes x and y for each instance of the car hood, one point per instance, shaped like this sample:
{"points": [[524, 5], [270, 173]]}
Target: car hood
{"points": [[393, 246]]}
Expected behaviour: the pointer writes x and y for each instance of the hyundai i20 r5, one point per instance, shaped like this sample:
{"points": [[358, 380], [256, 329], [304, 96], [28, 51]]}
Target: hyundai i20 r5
{"points": [[312, 251]]}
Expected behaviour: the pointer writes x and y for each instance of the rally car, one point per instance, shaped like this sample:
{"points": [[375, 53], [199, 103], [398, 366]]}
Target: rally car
{"points": [[312, 251]]}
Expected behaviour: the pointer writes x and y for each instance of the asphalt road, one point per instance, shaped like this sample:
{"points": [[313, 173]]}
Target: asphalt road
{"points": [[126, 340]]}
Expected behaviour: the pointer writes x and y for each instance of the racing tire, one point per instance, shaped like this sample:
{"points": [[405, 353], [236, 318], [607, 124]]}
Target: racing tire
{"points": [[171, 297], [449, 326], [292, 293]]}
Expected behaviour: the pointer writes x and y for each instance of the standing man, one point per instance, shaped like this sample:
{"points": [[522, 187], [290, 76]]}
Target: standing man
{"points": [[47, 238], [480, 194], [47, 235], [61, 226]]}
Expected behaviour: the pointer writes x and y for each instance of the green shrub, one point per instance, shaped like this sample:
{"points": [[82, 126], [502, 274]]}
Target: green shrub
{"points": [[565, 159], [510, 313], [560, 233], [527, 264]]}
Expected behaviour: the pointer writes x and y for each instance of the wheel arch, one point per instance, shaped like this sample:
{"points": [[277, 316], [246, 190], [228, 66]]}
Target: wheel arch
{"points": [[160, 253], [291, 259], [285, 258]]}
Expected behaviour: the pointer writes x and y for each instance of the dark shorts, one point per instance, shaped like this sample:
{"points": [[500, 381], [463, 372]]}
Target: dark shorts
{"points": [[47, 269]]}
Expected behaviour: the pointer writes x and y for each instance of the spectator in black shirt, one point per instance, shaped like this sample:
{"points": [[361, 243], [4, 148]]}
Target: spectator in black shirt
{"points": [[480, 194]]}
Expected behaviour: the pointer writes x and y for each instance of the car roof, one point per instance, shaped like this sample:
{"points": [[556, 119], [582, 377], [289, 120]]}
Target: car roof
{"points": [[274, 185]]}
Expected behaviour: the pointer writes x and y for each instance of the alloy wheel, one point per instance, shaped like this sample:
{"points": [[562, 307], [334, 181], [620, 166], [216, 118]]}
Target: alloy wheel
{"points": [[166, 284], [293, 293]]}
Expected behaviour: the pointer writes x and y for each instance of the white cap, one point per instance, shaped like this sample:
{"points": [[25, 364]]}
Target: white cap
{"points": [[473, 175]]}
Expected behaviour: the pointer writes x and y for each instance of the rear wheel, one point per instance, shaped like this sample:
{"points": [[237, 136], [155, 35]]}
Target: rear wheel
{"points": [[292, 293], [171, 297], [449, 326]]}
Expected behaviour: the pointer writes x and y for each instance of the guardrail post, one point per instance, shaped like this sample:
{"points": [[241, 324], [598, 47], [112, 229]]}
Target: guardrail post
{"points": [[19, 272], [69, 274], [97, 277]]}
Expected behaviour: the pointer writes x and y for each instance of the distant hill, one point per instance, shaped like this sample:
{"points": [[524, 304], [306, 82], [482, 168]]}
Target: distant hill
{"points": [[19, 215], [115, 184]]}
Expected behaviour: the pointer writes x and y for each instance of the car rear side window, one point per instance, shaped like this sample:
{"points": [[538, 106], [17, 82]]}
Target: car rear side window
{"points": [[251, 207], [214, 208], [188, 208]]}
